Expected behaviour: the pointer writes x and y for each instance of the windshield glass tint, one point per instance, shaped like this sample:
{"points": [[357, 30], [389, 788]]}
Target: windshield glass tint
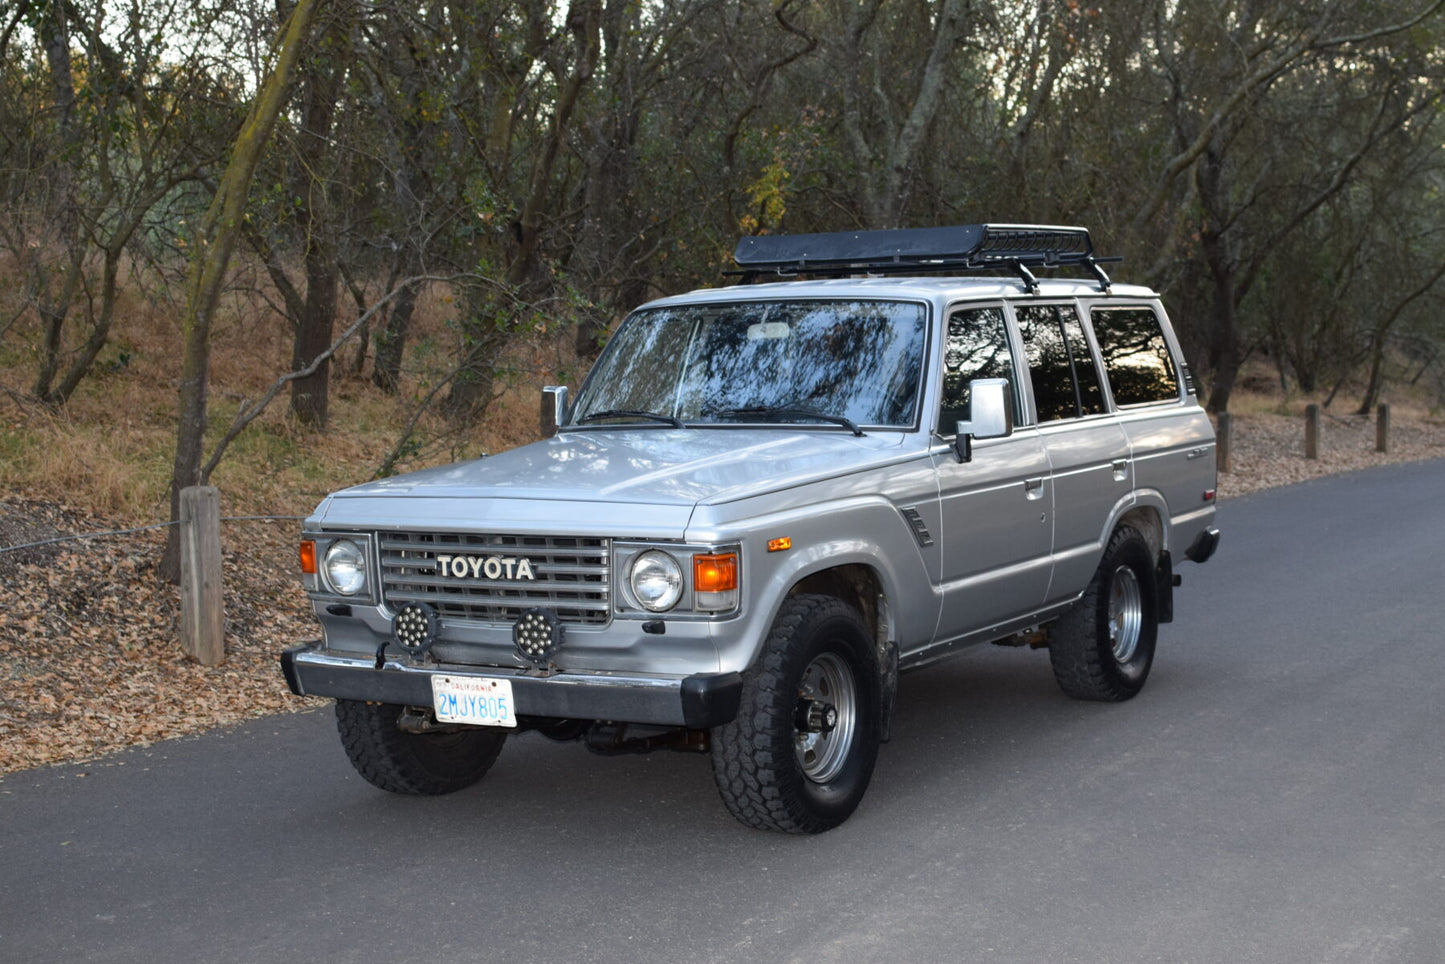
{"points": [[861, 360]]}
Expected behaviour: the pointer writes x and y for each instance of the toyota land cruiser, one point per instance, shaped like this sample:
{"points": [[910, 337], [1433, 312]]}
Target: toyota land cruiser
{"points": [[765, 502]]}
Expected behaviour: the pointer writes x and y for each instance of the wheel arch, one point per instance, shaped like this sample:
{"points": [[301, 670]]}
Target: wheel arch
{"points": [[1147, 518], [862, 586]]}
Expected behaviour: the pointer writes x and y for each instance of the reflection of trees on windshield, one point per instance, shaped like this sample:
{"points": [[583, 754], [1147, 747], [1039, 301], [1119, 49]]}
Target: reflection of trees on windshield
{"points": [[858, 359], [639, 371], [1136, 357]]}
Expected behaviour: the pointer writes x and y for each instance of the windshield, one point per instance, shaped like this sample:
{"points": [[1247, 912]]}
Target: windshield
{"points": [[855, 362]]}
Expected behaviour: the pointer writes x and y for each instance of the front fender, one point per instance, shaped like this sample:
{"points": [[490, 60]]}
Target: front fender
{"points": [[863, 531]]}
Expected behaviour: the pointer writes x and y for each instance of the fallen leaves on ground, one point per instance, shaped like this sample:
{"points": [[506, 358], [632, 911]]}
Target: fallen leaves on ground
{"points": [[90, 659], [1268, 450]]}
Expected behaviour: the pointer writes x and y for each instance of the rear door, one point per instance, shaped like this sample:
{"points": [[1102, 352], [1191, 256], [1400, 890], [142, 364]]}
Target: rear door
{"points": [[1088, 452]]}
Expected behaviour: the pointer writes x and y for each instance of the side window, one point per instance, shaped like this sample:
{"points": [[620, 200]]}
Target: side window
{"points": [[1065, 381], [974, 346], [1136, 356]]}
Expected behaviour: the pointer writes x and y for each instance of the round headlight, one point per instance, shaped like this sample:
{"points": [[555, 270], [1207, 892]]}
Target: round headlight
{"points": [[656, 580], [345, 567]]}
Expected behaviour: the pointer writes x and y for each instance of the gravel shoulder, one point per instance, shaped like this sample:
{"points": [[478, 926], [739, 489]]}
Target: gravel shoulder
{"points": [[89, 657]]}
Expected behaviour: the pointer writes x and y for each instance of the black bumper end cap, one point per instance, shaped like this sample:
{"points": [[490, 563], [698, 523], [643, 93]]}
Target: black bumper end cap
{"points": [[1203, 545], [288, 666], [711, 699]]}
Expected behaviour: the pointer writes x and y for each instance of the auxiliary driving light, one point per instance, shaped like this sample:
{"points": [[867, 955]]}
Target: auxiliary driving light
{"points": [[537, 634], [415, 628]]}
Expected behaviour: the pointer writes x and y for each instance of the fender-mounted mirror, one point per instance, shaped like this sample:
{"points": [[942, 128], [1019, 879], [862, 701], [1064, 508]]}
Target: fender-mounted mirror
{"points": [[554, 409]]}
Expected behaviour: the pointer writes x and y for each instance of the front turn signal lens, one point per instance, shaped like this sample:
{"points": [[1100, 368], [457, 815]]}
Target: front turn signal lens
{"points": [[715, 573], [715, 582], [308, 557]]}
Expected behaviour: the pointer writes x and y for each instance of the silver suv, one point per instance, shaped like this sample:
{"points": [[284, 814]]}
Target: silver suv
{"points": [[768, 500]]}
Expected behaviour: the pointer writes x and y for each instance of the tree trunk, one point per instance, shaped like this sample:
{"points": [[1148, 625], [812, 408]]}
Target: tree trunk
{"points": [[1225, 353], [322, 80], [310, 396], [215, 242], [55, 36], [391, 342]]}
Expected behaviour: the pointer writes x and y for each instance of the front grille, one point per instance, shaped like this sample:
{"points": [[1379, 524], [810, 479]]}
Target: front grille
{"points": [[571, 575]]}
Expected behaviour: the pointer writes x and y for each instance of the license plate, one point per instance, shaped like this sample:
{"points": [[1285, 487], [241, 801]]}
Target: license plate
{"points": [[475, 701]]}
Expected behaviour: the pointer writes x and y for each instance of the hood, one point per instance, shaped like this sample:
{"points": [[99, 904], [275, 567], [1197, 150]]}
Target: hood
{"points": [[601, 479]]}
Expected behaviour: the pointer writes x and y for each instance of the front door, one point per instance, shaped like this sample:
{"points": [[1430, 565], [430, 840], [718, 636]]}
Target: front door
{"points": [[997, 510]]}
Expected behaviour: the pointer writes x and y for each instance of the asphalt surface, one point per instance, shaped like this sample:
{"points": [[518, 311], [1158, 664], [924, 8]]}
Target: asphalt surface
{"points": [[1276, 793]]}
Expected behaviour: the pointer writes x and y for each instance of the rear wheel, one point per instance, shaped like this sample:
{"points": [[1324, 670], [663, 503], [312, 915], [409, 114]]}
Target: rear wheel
{"points": [[800, 754], [426, 764], [1102, 649]]}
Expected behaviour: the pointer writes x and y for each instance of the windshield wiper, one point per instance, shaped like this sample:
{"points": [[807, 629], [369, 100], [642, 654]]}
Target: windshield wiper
{"points": [[672, 420], [790, 411]]}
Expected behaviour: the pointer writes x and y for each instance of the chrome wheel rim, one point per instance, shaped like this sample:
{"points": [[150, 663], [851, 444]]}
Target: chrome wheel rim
{"points": [[829, 680], [1126, 614]]}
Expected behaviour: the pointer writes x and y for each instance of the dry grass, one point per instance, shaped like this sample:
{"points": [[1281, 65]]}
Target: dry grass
{"points": [[110, 448]]}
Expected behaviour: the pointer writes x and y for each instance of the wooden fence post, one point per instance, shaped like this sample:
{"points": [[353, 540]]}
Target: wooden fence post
{"points": [[1312, 431], [203, 619], [1382, 428], [1222, 433]]}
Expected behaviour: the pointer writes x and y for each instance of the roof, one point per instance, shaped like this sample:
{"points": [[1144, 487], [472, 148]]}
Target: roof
{"points": [[931, 289]]}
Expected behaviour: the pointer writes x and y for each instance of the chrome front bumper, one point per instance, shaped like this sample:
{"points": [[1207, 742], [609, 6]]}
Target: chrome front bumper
{"points": [[697, 702]]}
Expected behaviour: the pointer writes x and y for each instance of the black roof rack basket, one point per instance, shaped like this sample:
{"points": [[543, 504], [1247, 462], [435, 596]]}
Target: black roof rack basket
{"points": [[958, 249]]}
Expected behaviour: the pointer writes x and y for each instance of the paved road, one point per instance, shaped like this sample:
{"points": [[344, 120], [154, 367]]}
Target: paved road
{"points": [[1277, 794]]}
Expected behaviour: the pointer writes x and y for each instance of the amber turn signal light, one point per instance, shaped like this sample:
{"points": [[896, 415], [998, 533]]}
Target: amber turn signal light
{"points": [[308, 557], [717, 573]]}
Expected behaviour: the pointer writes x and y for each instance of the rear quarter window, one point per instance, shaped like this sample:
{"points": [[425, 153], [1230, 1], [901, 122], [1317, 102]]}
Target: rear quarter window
{"points": [[1136, 357]]}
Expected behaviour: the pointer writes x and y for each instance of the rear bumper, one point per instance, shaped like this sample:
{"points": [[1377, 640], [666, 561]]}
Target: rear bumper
{"points": [[697, 702]]}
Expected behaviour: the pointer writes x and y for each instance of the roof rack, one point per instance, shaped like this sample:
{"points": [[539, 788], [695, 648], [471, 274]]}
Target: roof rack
{"points": [[958, 249]]}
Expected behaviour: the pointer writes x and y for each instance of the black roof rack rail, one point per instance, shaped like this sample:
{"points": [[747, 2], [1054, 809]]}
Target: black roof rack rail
{"points": [[958, 249]]}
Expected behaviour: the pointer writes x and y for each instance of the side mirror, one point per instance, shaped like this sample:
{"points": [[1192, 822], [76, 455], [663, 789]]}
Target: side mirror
{"points": [[992, 411], [554, 409]]}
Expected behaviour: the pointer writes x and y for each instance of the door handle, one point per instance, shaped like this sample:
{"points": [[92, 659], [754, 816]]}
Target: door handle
{"points": [[1034, 488], [1121, 469]]}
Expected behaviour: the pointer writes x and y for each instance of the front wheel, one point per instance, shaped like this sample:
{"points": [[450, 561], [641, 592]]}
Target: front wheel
{"points": [[424, 764], [800, 753], [1102, 649]]}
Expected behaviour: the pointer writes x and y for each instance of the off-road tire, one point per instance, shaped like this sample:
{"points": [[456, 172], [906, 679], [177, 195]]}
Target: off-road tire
{"points": [[761, 761], [1103, 647], [421, 764]]}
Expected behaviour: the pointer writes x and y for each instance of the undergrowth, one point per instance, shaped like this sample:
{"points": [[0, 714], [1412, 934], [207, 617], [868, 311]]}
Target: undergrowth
{"points": [[110, 448]]}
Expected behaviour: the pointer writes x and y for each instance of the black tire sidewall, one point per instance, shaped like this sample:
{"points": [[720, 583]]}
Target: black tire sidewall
{"points": [[426, 764], [837, 798], [828, 626], [1127, 548]]}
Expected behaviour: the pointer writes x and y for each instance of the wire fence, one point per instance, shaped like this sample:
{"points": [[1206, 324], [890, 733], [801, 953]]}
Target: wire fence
{"points": [[158, 525]]}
